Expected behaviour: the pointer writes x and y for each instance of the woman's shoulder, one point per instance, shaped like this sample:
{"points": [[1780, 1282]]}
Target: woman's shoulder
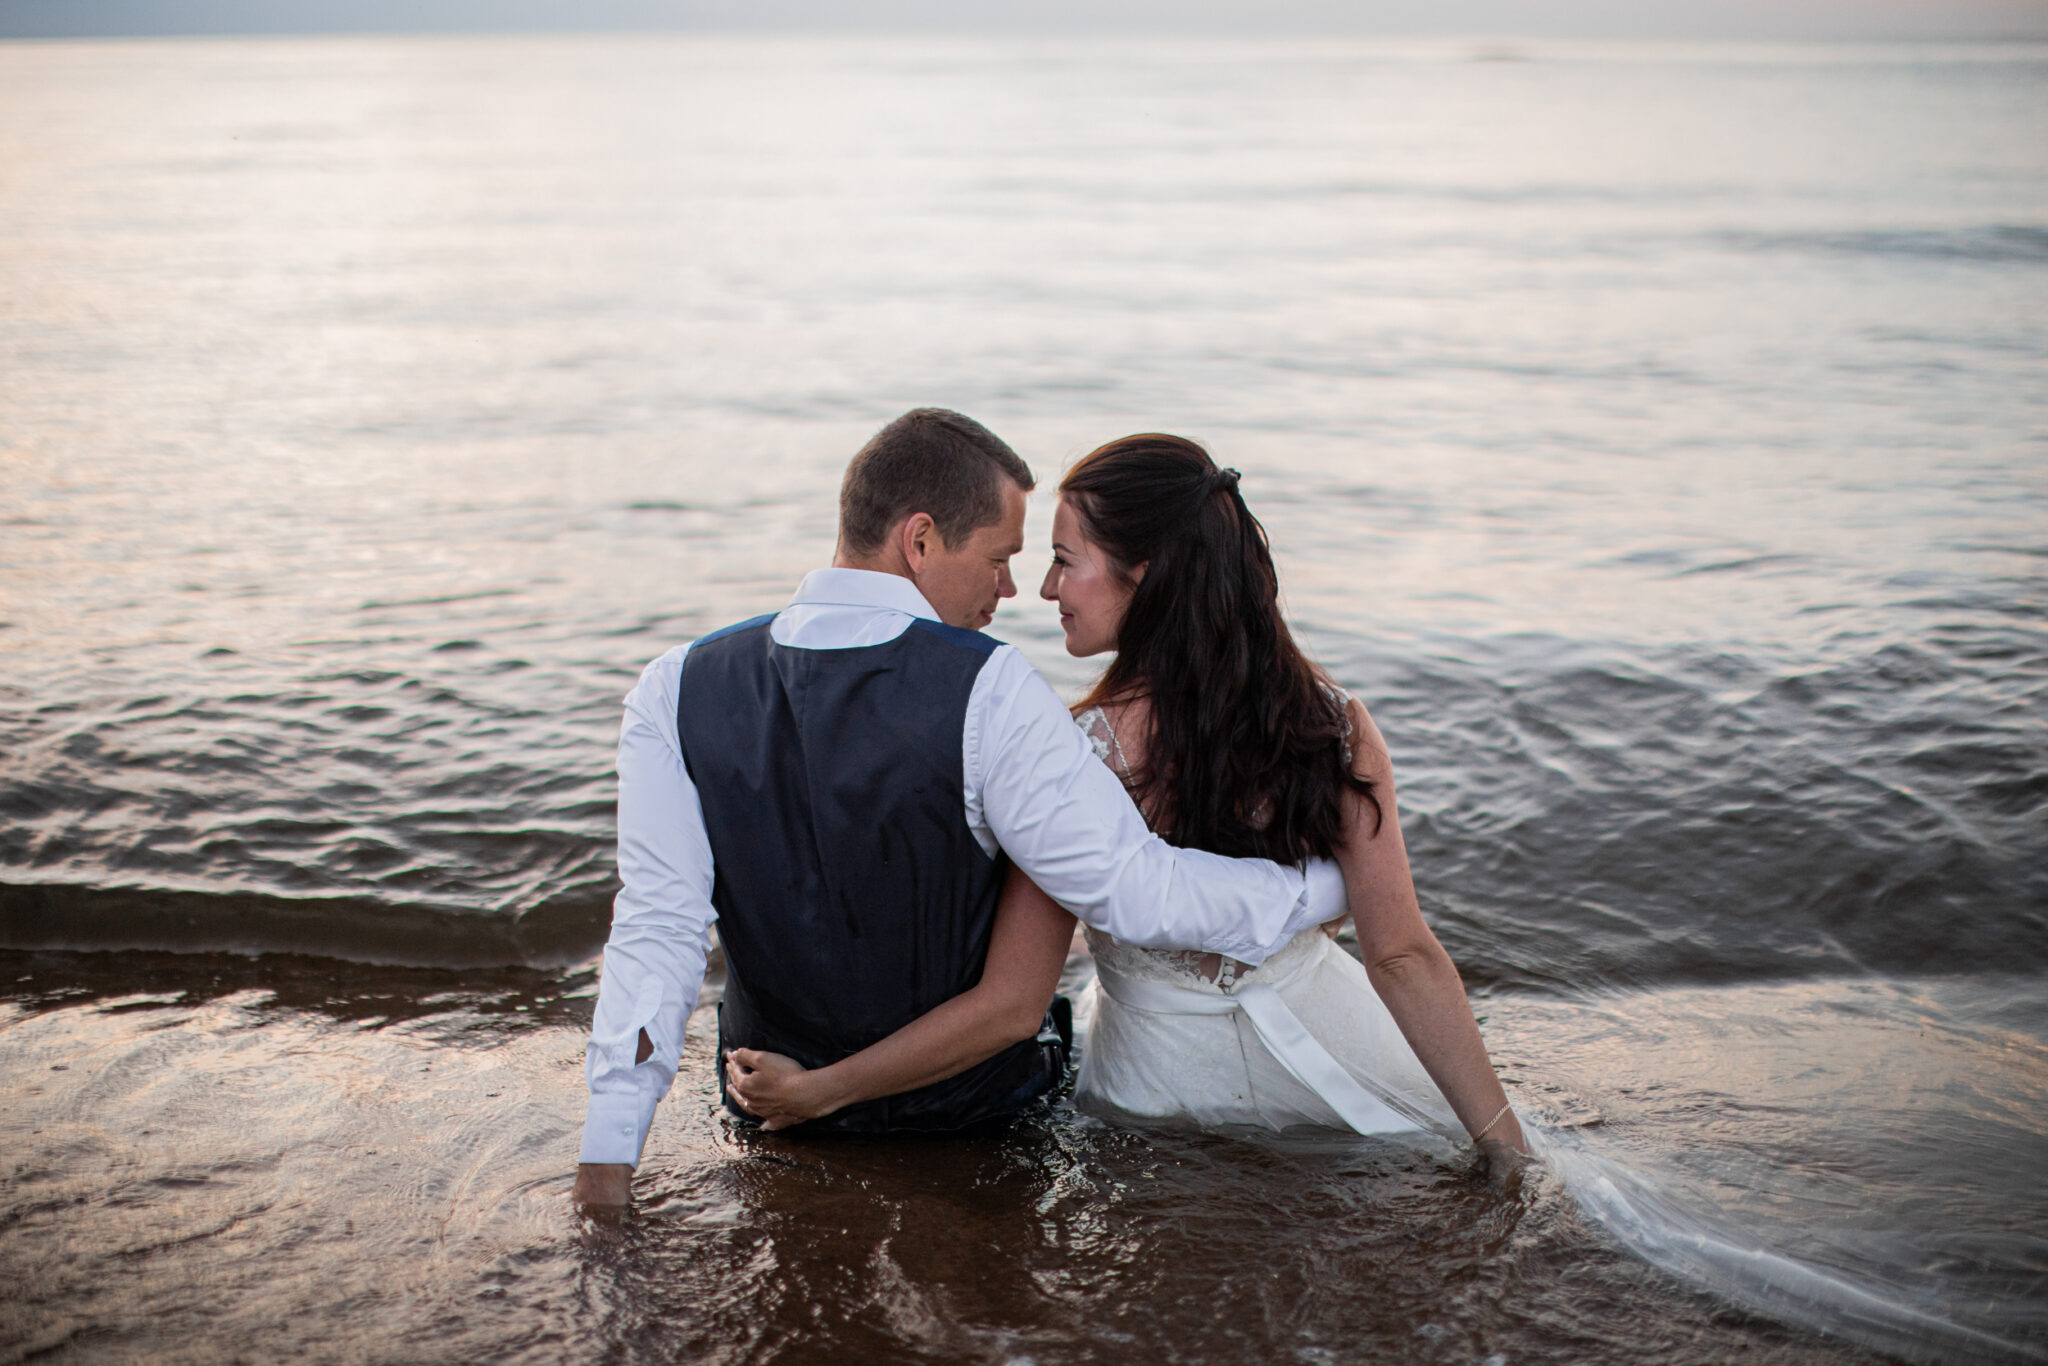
{"points": [[1352, 711], [1095, 725], [1100, 727], [1106, 725], [1365, 749]]}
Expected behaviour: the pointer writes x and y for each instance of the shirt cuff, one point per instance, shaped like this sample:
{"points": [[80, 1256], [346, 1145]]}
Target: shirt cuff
{"points": [[614, 1128], [1322, 897]]}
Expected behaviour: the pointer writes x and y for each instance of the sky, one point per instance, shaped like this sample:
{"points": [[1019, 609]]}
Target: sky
{"points": [[1731, 19]]}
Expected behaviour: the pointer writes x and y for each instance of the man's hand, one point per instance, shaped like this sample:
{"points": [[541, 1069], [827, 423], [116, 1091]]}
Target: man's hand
{"points": [[603, 1189]]}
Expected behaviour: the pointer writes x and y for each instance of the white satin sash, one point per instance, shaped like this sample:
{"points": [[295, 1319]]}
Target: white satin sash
{"points": [[1283, 1034]]}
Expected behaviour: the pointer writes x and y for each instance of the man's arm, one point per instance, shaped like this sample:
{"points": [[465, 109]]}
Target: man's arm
{"points": [[661, 933], [1062, 816]]}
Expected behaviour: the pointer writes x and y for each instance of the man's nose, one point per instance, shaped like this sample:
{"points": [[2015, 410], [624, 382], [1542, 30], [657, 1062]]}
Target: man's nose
{"points": [[1006, 587]]}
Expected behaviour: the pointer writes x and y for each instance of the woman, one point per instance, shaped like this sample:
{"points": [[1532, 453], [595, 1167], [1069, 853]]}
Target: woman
{"points": [[1230, 740]]}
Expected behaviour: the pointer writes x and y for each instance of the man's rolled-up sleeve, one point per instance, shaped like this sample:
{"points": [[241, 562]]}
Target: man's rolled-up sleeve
{"points": [[661, 925], [1063, 817]]}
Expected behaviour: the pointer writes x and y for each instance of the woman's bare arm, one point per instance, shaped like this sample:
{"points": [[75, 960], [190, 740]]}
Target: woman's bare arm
{"points": [[1408, 967], [1026, 951]]}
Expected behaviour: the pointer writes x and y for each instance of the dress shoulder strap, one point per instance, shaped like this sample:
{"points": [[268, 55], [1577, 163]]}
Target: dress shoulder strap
{"points": [[1094, 723], [1343, 701]]}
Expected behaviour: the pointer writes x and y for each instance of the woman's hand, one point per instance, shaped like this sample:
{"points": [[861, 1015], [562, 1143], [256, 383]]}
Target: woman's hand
{"points": [[1026, 951], [1506, 1165], [778, 1091]]}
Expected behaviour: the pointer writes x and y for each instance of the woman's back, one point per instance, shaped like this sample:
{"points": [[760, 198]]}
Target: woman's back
{"points": [[1120, 734], [1168, 1040], [1233, 741]]}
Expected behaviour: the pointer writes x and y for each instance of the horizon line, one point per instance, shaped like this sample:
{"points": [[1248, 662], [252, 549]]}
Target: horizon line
{"points": [[1688, 21], [883, 31]]}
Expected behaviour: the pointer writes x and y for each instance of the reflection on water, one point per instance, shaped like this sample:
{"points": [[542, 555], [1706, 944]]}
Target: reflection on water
{"points": [[1836, 1152], [405, 1168], [400, 1145], [1651, 435], [376, 408]]}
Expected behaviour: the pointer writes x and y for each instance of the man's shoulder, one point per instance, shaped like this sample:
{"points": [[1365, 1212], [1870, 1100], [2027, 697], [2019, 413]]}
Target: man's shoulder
{"points": [[1014, 705], [713, 645], [759, 623], [958, 636], [661, 679]]}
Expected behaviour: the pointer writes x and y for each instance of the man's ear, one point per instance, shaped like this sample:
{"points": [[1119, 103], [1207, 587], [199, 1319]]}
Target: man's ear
{"points": [[917, 538]]}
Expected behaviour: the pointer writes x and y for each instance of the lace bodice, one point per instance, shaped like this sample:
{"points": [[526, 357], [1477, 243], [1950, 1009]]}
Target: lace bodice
{"points": [[1113, 955], [1094, 723]]}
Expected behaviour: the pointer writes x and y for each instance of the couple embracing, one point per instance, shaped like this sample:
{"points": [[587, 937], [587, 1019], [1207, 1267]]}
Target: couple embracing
{"points": [[895, 823]]}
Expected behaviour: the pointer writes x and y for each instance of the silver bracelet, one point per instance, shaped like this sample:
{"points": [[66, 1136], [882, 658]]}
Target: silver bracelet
{"points": [[1498, 1117]]}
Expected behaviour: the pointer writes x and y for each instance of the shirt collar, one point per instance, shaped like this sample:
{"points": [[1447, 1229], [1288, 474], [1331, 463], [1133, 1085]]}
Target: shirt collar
{"points": [[862, 588]]}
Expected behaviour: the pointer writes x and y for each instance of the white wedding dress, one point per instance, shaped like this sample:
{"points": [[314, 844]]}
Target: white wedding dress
{"points": [[1302, 1039]]}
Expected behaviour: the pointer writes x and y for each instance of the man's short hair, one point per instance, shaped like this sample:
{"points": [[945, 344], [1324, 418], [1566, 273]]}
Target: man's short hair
{"points": [[929, 460]]}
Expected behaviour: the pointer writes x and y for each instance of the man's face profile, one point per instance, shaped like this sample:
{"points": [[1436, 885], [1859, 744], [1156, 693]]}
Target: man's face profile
{"points": [[964, 583]]}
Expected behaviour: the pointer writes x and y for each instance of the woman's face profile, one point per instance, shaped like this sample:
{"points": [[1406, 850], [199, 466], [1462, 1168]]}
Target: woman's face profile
{"points": [[1092, 593]]}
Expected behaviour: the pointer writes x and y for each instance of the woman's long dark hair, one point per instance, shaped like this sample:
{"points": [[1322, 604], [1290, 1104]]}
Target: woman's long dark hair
{"points": [[1245, 755]]}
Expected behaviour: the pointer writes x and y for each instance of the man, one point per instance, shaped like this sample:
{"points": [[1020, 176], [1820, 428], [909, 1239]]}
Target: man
{"points": [[837, 786]]}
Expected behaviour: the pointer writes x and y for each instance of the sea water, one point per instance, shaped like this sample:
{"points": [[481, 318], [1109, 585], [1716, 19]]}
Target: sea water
{"points": [[1655, 437]]}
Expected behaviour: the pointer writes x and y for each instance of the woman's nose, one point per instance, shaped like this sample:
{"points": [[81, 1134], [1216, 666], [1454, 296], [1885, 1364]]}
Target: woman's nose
{"points": [[1050, 589]]}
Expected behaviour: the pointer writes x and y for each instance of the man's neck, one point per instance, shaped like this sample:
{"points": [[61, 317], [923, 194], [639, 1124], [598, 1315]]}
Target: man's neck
{"points": [[889, 561]]}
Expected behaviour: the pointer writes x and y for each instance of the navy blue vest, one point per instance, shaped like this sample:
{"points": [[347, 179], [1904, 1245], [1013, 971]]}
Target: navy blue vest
{"points": [[851, 895]]}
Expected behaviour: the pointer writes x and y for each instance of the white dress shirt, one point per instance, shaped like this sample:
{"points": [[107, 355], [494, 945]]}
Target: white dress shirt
{"points": [[1033, 790]]}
